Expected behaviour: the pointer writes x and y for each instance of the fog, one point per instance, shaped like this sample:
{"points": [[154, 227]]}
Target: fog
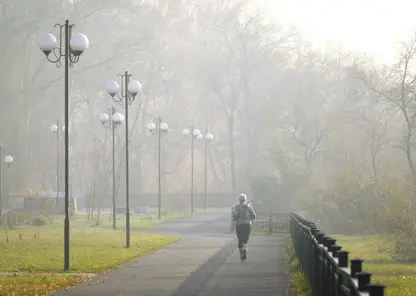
{"points": [[330, 134]]}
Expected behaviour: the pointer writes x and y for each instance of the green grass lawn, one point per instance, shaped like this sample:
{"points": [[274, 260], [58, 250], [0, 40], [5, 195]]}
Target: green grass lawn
{"points": [[90, 251], [34, 255], [375, 251], [40, 252], [36, 285]]}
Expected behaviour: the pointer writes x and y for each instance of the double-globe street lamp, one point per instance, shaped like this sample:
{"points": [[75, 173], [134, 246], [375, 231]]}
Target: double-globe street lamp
{"points": [[159, 128], [112, 119], [69, 49], [8, 160], [125, 94]]}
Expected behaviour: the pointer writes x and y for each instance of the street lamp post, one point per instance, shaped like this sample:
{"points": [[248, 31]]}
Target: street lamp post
{"points": [[8, 159], [161, 127], [113, 119], [195, 135], [55, 129], [208, 137], [127, 93], [70, 48]]}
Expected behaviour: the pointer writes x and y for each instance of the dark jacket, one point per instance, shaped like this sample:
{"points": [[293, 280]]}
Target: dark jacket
{"points": [[243, 214]]}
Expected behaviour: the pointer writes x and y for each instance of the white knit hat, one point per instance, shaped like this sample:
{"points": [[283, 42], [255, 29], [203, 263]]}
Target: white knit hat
{"points": [[242, 197]]}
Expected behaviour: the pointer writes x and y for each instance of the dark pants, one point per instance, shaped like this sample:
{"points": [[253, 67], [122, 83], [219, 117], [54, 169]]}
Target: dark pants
{"points": [[243, 233]]}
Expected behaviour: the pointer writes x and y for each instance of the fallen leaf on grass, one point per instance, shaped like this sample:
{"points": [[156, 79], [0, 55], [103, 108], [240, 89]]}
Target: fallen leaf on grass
{"points": [[36, 285]]}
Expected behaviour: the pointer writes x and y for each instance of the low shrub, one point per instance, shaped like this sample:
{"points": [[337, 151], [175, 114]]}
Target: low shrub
{"points": [[39, 221]]}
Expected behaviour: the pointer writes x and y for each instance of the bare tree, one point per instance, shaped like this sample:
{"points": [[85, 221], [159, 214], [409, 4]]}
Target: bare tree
{"points": [[398, 92]]}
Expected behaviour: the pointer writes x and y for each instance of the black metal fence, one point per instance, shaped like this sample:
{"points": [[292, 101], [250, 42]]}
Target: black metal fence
{"points": [[327, 267], [268, 222]]}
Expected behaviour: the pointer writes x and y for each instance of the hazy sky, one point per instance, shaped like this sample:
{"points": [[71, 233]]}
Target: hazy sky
{"points": [[373, 26]]}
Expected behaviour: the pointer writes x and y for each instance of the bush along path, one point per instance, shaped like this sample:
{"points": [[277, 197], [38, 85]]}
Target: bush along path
{"points": [[298, 281]]}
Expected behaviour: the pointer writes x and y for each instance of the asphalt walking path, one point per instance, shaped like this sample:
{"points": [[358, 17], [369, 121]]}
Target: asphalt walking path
{"points": [[205, 262]]}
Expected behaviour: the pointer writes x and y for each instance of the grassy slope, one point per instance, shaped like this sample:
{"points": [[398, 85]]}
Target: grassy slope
{"points": [[374, 250], [32, 284], [91, 252], [93, 249]]}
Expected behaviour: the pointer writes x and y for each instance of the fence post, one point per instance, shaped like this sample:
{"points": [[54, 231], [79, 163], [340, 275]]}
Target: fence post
{"points": [[320, 237], [232, 220], [327, 278], [334, 250], [270, 230], [342, 259], [376, 289], [356, 267], [329, 241], [364, 279]]}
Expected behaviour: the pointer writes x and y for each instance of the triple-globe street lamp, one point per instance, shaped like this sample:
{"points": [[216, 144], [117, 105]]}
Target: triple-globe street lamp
{"points": [[207, 138], [69, 49], [112, 119], [56, 130], [125, 94], [160, 127], [195, 135]]}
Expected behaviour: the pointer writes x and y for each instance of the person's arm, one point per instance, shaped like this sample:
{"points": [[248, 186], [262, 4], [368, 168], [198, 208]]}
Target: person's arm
{"points": [[252, 213], [235, 213]]}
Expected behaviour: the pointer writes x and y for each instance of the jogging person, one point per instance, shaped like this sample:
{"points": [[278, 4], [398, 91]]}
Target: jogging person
{"points": [[243, 215]]}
